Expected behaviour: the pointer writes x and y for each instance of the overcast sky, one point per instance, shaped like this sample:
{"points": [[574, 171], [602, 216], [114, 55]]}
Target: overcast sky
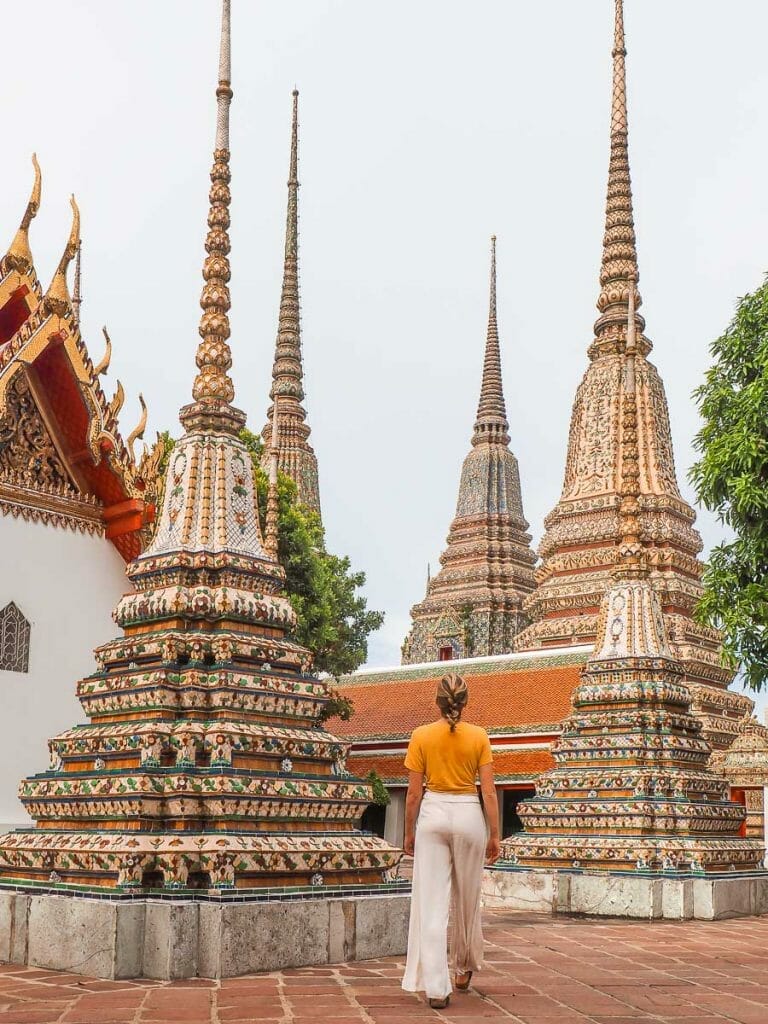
{"points": [[425, 127]]}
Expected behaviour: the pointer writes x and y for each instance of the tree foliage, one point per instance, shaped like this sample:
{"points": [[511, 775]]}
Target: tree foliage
{"points": [[380, 792], [731, 479], [334, 621]]}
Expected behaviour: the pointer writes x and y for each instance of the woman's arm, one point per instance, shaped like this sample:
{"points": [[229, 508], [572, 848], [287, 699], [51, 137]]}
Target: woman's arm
{"points": [[491, 808], [412, 804]]}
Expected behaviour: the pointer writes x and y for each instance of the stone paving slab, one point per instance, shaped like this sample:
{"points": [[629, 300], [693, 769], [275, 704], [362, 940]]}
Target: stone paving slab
{"points": [[540, 971]]}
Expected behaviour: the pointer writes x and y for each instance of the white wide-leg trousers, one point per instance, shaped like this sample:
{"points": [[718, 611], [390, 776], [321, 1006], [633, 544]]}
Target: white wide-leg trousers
{"points": [[448, 862]]}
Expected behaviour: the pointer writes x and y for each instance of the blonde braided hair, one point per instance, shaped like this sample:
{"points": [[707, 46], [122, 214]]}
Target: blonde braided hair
{"points": [[452, 695]]}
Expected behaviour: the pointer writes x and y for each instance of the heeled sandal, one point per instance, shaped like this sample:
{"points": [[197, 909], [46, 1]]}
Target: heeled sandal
{"points": [[439, 1004], [463, 986]]}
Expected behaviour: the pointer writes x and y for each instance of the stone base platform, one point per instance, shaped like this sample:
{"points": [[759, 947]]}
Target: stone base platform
{"points": [[603, 894], [183, 938]]}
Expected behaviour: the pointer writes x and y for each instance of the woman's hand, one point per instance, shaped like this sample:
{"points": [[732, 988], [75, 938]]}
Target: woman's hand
{"points": [[492, 850], [408, 844]]}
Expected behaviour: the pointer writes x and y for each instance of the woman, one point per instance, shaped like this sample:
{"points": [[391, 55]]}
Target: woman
{"points": [[449, 846]]}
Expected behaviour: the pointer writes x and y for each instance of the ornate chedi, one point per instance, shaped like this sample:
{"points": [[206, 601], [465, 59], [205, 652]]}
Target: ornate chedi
{"points": [[631, 789], [202, 764], [745, 765], [296, 457], [474, 605], [63, 460], [580, 545]]}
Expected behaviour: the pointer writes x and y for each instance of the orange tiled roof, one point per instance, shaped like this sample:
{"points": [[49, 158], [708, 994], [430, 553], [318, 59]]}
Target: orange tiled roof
{"points": [[510, 698], [507, 764]]}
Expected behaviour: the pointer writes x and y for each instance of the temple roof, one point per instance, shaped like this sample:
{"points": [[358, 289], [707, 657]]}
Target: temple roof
{"points": [[64, 459], [522, 765], [507, 694]]}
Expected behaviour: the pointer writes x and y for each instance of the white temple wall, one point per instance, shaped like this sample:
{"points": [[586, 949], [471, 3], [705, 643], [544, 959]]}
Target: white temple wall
{"points": [[66, 584]]}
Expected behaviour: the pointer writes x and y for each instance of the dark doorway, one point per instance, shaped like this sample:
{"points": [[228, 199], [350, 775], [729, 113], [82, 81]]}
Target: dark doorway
{"points": [[510, 819], [445, 653], [373, 819]]}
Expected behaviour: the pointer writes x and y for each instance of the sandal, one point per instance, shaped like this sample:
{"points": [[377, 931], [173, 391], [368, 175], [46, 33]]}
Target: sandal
{"points": [[439, 1004], [463, 986]]}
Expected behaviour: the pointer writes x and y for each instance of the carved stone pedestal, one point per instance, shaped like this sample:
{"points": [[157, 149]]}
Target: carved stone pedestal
{"points": [[207, 938], [671, 897]]}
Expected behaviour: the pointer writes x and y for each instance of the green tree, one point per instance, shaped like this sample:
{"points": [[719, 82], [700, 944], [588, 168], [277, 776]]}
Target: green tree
{"points": [[334, 621], [731, 479]]}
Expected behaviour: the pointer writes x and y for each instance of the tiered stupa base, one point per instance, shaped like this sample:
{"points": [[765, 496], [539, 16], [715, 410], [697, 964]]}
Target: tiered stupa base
{"points": [[195, 861], [631, 810]]}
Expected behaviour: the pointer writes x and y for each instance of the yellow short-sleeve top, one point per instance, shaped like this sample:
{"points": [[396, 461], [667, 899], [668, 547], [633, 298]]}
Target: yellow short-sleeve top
{"points": [[449, 760]]}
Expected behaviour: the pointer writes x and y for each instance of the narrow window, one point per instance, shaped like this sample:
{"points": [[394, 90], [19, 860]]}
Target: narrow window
{"points": [[14, 640]]}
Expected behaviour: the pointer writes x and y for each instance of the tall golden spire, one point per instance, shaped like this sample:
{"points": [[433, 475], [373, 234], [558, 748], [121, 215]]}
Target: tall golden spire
{"points": [[213, 390], [57, 299], [19, 255], [491, 424], [296, 456], [619, 262]]}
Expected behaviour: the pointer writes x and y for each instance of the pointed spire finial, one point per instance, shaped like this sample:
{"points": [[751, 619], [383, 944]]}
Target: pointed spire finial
{"points": [[77, 299], [19, 255], [287, 371], [619, 261], [213, 390], [296, 457], [57, 299], [491, 424]]}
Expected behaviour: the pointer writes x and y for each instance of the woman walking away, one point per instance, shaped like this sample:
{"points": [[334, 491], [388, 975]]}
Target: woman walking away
{"points": [[449, 845]]}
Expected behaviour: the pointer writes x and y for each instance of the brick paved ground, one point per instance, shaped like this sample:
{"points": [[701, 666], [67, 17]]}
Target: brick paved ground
{"points": [[539, 972]]}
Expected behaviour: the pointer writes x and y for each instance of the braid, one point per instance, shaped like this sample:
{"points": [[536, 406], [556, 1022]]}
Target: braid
{"points": [[452, 694]]}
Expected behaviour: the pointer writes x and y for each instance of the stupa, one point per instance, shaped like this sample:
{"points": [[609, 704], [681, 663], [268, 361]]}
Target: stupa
{"points": [[579, 549], [631, 789], [202, 766], [474, 604]]}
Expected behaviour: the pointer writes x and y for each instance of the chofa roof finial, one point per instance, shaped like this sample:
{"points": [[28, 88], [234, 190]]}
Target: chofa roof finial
{"points": [[19, 255], [57, 299]]}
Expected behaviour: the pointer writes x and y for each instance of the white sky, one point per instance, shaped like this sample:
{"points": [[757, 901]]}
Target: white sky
{"points": [[425, 128]]}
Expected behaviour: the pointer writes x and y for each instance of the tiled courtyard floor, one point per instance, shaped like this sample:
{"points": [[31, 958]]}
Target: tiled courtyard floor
{"points": [[539, 972]]}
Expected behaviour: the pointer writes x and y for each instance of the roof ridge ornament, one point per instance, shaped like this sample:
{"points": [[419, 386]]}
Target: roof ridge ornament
{"points": [[77, 299], [57, 299], [19, 255]]}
